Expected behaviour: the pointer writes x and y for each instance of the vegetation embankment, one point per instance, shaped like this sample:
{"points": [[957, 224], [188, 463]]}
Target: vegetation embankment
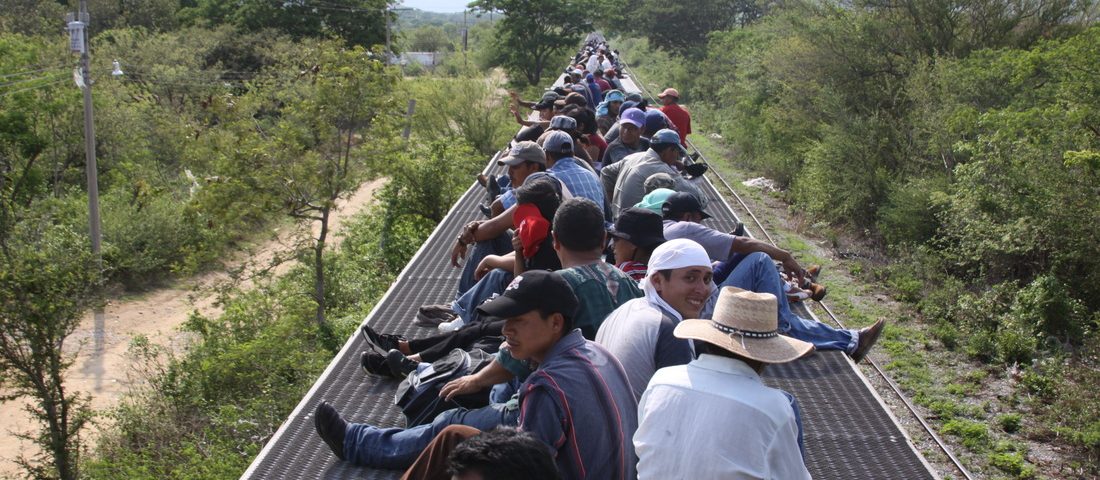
{"points": [[959, 143], [217, 128]]}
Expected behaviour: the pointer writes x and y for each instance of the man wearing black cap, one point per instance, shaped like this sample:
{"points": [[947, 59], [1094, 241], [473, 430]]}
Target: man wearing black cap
{"points": [[636, 233], [755, 271], [578, 401]]}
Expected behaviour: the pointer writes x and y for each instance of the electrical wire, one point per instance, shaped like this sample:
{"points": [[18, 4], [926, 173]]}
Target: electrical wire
{"points": [[29, 80], [13, 92], [28, 72]]}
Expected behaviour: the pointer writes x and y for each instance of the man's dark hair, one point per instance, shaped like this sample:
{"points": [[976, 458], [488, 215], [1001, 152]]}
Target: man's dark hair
{"points": [[578, 225], [674, 216], [504, 453], [560, 155], [566, 320], [586, 118], [543, 193], [702, 347], [661, 147]]}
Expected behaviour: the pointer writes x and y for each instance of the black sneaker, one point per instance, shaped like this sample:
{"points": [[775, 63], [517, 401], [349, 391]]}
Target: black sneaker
{"points": [[485, 210], [331, 428], [696, 169], [739, 231], [382, 342], [400, 365], [374, 363]]}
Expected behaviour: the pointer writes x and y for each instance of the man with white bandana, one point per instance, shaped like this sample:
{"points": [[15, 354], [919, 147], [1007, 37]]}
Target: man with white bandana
{"points": [[639, 333]]}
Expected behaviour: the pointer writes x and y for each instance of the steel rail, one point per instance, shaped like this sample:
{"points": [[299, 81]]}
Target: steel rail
{"points": [[889, 381]]}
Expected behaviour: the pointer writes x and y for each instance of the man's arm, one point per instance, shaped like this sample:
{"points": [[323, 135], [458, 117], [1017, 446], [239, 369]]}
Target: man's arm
{"points": [[541, 416], [609, 175], [750, 245], [492, 374]]}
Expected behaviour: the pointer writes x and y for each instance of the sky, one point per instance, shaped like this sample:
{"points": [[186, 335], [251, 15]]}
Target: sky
{"points": [[445, 6]]}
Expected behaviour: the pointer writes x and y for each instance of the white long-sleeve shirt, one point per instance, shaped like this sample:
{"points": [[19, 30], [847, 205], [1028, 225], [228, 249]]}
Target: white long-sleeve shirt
{"points": [[715, 418]]}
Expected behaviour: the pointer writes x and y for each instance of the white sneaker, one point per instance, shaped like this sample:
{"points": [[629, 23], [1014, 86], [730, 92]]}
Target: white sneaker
{"points": [[453, 325]]}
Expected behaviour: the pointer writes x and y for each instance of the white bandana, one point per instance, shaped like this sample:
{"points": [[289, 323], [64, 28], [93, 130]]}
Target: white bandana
{"points": [[677, 253]]}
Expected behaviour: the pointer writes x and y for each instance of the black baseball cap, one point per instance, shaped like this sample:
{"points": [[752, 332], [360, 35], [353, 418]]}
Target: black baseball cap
{"points": [[536, 289], [680, 203], [640, 226]]}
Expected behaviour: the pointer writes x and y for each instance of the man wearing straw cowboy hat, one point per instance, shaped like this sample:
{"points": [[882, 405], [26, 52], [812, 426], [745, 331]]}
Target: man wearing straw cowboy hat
{"points": [[714, 417]]}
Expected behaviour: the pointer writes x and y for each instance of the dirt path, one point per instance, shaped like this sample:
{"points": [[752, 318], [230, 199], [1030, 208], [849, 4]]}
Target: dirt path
{"points": [[102, 368]]}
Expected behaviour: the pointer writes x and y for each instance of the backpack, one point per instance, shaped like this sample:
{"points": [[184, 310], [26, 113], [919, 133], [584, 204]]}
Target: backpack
{"points": [[418, 394]]}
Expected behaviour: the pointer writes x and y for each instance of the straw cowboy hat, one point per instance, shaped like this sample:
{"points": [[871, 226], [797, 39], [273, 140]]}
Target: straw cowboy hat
{"points": [[745, 323]]}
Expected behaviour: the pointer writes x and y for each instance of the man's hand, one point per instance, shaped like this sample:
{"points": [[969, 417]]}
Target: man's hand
{"points": [[793, 269], [488, 264], [460, 386], [517, 244], [458, 253]]}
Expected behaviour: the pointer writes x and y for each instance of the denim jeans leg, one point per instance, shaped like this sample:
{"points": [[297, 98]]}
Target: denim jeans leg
{"points": [[493, 282], [500, 245], [757, 273], [397, 448]]}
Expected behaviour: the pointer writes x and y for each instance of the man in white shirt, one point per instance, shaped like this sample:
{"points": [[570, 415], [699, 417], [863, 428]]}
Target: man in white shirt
{"points": [[714, 417]]}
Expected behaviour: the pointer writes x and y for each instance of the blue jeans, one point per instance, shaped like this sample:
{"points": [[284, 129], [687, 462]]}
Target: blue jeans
{"points": [[493, 282], [756, 272], [397, 448], [497, 246]]}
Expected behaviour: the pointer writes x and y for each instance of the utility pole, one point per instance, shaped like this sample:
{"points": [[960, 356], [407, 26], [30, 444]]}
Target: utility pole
{"points": [[91, 170], [78, 27]]}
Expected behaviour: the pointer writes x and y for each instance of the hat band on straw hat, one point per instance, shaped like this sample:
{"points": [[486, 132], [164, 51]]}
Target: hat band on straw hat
{"points": [[744, 333]]}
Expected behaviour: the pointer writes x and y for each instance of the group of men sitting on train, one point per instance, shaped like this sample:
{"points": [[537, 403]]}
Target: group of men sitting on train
{"points": [[627, 336]]}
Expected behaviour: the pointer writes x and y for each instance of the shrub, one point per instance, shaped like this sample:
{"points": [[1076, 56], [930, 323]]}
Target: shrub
{"points": [[974, 435], [1009, 422], [146, 234]]}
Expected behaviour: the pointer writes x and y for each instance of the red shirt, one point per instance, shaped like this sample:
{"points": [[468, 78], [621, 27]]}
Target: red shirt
{"points": [[600, 143], [604, 85], [679, 117]]}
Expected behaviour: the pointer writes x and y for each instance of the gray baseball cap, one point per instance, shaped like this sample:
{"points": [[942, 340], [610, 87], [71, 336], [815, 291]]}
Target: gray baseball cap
{"points": [[558, 141], [525, 151]]}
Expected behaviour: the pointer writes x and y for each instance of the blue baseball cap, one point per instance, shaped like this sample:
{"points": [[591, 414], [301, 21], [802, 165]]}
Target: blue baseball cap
{"points": [[633, 116], [557, 141], [655, 120], [614, 96], [666, 136]]}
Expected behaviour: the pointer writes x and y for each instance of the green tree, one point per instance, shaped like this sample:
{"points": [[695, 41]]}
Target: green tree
{"points": [[335, 123], [534, 36], [429, 38], [682, 27], [47, 281], [358, 22]]}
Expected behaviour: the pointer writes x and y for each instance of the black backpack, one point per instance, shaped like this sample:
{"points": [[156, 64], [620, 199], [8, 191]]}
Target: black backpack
{"points": [[418, 394]]}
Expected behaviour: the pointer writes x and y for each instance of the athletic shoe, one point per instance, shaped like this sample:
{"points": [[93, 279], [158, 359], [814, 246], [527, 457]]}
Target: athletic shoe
{"points": [[382, 342], [453, 325], [374, 363], [400, 365], [330, 427]]}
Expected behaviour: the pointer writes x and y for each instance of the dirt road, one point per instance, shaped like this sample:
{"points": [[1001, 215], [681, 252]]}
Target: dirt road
{"points": [[102, 367]]}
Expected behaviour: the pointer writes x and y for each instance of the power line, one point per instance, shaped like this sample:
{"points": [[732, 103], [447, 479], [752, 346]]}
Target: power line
{"points": [[13, 92], [28, 80], [28, 72]]}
